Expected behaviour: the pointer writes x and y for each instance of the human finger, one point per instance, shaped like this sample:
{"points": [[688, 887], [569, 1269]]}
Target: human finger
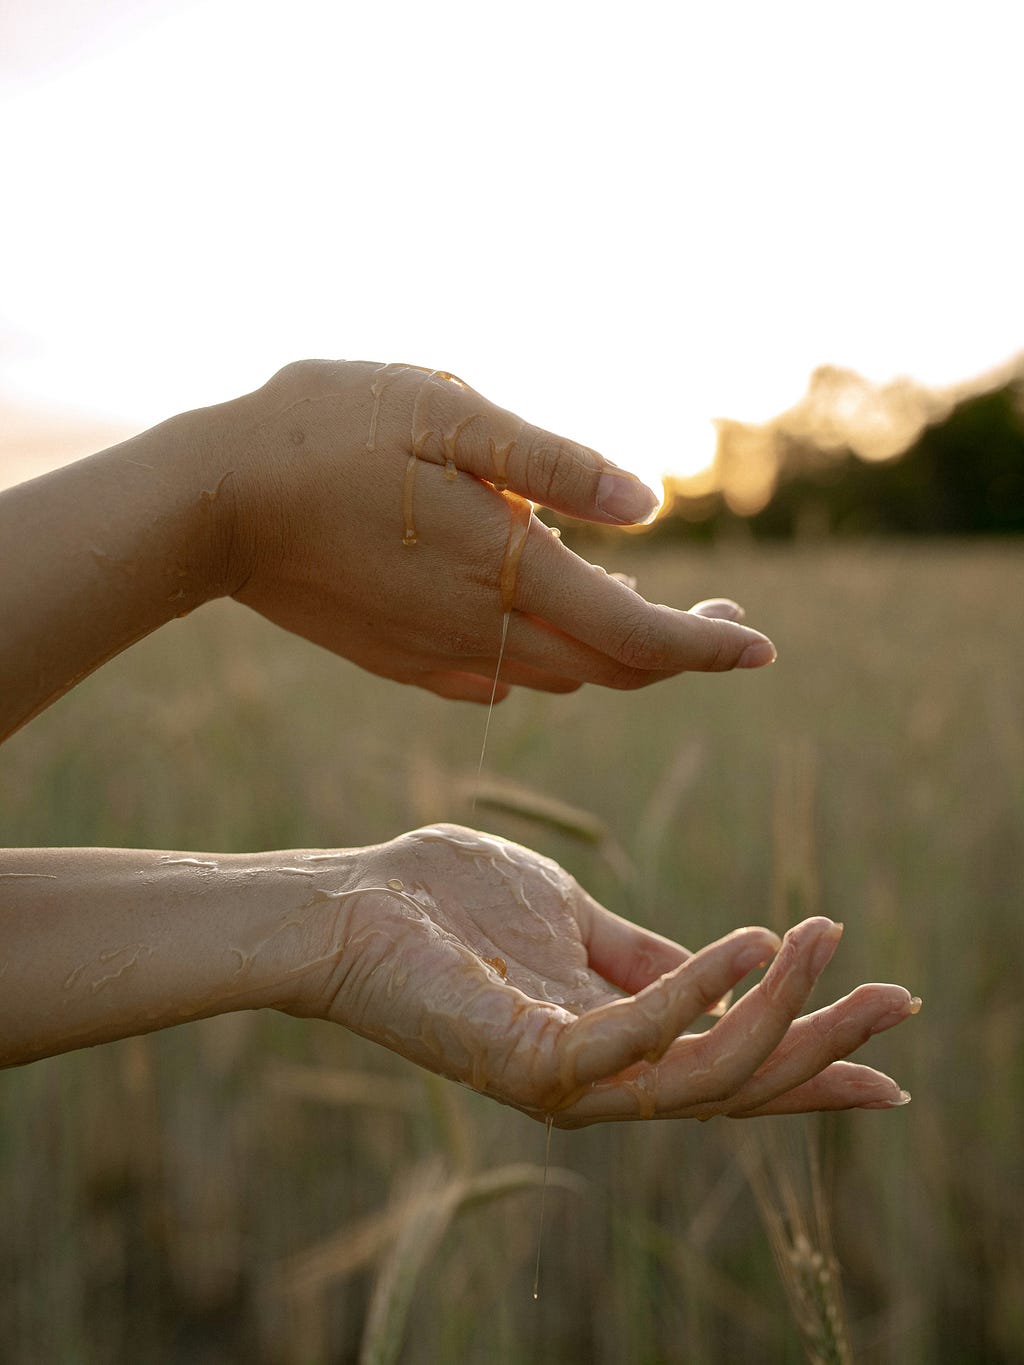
{"points": [[540, 645], [453, 425], [642, 638], [610, 1038], [529, 664], [843, 1085], [701, 1070], [815, 1041], [624, 953], [712, 1066], [462, 687], [719, 609]]}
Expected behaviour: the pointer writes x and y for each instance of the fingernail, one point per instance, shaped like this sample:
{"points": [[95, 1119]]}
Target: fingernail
{"points": [[758, 654], [625, 499], [893, 1017], [826, 945], [719, 608], [898, 1103]]}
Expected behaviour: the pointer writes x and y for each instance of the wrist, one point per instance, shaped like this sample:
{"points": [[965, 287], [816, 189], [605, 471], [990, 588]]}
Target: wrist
{"points": [[207, 455], [292, 953]]}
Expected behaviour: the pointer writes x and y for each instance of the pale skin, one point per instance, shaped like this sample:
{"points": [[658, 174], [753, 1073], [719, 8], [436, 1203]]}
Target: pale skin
{"points": [[471, 956]]}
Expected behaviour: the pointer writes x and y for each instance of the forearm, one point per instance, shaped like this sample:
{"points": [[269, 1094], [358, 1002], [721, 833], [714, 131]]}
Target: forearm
{"points": [[99, 554], [100, 944]]}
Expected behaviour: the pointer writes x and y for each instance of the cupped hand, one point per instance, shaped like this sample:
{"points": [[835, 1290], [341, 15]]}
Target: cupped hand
{"points": [[368, 515], [487, 963]]}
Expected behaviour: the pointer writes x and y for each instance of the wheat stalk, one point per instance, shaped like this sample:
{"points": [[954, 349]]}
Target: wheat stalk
{"points": [[795, 1215]]}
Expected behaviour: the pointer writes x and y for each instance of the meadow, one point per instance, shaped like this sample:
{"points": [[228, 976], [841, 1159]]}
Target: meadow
{"points": [[272, 1191]]}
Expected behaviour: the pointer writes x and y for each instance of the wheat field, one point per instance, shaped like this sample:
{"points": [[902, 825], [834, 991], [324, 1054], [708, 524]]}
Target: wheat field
{"points": [[279, 1192]]}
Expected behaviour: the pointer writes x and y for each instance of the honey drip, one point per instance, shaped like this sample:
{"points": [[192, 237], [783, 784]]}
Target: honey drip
{"points": [[499, 459], [543, 1199], [449, 444], [419, 434], [408, 488], [520, 509], [381, 379], [520, 516], [490, 705]]}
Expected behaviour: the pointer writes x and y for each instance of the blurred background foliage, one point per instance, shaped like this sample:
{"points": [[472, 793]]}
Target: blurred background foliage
{"points": [[854, 458]]}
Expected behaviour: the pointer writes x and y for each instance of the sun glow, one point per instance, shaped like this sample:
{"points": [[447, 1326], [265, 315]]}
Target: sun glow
{"points": [[621, 230]]}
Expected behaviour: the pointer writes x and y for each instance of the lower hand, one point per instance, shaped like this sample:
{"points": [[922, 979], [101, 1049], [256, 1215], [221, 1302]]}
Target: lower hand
{"points": [[487, 963]]}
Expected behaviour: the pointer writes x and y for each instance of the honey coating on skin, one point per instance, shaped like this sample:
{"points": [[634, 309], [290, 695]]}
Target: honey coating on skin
{"points": [[409, 536], [520, 509], [489, 854], [644, 1089], [499, 464], [520, 517], [108, 959], [321, 896], [381, 380], [422, 431]]}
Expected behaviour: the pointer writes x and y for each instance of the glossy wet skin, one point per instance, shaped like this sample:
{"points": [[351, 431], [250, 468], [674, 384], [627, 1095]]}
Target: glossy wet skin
{"points": [[587, 1003]]}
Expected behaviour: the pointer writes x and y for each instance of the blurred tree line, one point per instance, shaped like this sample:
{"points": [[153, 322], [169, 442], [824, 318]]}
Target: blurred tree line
{"points": [[855, 459]]}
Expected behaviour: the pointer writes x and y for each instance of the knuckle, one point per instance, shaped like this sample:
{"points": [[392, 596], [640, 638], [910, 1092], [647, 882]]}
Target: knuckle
{"points": [[556, 473], [297, 374], [639, 647], [721, 645], [543, 476], [445, 827]]}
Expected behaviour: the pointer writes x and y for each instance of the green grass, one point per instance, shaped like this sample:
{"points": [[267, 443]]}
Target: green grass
{"points": [[156, 1194]]}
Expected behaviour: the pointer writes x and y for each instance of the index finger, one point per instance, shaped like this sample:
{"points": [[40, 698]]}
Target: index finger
{"points": [[624, 953]]}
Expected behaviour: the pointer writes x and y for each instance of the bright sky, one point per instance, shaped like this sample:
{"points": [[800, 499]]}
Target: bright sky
{"points": [[619, 220]]}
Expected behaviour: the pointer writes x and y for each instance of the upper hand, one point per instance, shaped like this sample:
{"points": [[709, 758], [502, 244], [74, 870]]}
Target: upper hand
{"points": [[487, 963], [335, 466]]}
